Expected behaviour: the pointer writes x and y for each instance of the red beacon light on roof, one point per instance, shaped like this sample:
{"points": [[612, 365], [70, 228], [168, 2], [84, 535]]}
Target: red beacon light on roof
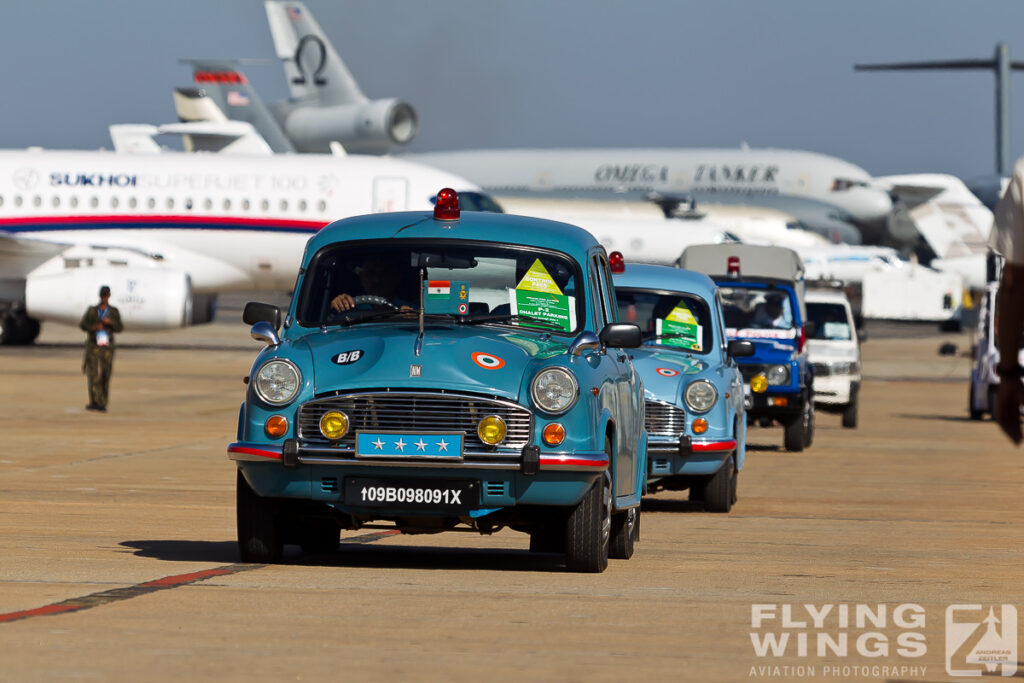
{"points": [[732, 267], [617, 262], [446, 207]]}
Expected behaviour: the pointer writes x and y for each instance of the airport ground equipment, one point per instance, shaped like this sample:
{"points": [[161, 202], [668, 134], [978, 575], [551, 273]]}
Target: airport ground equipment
{"points": [[693, 390], [762, 290], [484, 384]]}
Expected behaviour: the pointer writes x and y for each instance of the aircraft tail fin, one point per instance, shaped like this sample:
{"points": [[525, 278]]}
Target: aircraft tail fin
{"points": [[222, 92], [312, 66]]}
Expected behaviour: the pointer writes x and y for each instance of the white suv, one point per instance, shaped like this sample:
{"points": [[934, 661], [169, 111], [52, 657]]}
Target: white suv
{"points": [[834, 351]]}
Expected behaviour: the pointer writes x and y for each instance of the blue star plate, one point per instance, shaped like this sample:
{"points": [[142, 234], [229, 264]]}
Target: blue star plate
{"points": [[430, 445]]}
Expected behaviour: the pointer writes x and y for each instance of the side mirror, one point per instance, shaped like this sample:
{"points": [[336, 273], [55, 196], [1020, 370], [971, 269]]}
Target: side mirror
{"points": [[810, 329], [263, 332], [585, 341], [740, 348], [255, 312], [621, 336]]}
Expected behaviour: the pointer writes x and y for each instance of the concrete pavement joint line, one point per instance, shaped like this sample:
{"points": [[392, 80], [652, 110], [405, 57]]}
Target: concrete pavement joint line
{"points": [[117, 594]]}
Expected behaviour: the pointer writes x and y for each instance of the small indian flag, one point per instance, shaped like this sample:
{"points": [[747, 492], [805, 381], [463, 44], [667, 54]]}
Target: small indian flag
{"points": [[439, 289]]}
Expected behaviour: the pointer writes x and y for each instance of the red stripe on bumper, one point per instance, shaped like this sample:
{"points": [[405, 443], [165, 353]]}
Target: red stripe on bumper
{"points": [[714, 445], [573, 460], [251, 450]]}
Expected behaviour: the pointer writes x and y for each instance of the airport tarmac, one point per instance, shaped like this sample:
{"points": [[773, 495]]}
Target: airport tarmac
{"points": [[118, 557]]}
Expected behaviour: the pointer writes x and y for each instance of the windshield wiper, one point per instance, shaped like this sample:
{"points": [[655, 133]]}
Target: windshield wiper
{"points": [[366, 316], [509, 317]]}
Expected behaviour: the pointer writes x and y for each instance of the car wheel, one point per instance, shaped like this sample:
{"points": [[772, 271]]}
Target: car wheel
{"points": [[971, 410], [624, 528], [720, 488], [992, 392], [793, 438], [259, 535], [850, 414], [588, 530], [808, 420], [319, 536]]}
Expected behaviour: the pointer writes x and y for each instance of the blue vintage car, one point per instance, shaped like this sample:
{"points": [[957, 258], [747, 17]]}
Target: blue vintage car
{"points": [[445, 369], [693, 390]]}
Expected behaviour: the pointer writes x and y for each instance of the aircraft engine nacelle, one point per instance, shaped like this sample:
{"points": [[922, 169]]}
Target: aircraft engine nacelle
{"points": [[369, 128], [147, 298]]}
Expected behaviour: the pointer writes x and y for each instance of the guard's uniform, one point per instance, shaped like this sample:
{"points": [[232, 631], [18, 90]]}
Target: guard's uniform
{"points": [[99, 351]]}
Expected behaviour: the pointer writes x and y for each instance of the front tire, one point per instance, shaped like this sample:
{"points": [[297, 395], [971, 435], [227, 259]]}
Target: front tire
{"points": [[850, 414], [971, 410], [793, 439], [720, 489], [259, 533], [588, 530], [624, 530]]}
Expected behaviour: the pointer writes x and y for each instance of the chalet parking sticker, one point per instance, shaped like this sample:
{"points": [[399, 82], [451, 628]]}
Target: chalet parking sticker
{"points": [[679, 328], [538, 296], [348, 357]]}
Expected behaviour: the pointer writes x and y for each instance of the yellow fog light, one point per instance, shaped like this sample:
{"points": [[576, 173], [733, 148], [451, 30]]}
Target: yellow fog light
{"points": [[700, 425], [334, 425], [276, 426], [491, 430], [758, 383], [554, 434]]}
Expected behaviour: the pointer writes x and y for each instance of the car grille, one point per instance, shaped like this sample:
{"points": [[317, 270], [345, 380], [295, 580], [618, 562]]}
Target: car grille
{"points": [[395, 411], [663, 419], [822, 370]]}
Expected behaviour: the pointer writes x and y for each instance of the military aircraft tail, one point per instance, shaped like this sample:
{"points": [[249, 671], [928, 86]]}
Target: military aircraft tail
{"points": [[326, 103]]}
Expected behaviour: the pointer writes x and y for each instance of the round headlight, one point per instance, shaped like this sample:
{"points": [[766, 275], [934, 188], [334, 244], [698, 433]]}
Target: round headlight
{"points": [[278, 381], [554, 390], [778, 375], [491, 430], [700, 396], [334, 424]]}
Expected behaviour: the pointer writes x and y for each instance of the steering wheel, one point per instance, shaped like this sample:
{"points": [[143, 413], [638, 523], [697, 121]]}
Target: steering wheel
{"points": [[373, 300]]}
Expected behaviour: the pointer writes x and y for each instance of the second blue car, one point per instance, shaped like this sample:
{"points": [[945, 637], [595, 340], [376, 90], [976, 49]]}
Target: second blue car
{"points": [[693, 390]]}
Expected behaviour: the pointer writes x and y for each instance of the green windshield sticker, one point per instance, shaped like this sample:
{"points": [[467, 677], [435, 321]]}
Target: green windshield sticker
{"points": [[557, 309], [680, 328], [538, 279]]}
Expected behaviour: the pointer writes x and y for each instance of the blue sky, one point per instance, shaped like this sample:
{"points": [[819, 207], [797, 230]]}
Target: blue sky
{"points": [[570, 73]]}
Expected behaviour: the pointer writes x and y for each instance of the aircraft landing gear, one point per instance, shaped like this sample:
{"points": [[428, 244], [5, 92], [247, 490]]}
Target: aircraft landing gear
{"points": [[17, 329]]}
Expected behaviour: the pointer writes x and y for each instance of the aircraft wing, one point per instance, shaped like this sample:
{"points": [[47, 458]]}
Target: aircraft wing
{"points": [[21, 255], [914, 195]]}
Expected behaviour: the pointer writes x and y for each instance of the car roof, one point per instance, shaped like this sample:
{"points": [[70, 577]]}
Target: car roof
{"points": [[826, 296], [471, 225], [643, 276]]}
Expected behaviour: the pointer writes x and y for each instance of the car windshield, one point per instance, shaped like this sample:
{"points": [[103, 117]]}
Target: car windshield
{"points": [[756, 313], [830, 321], [350, 283], [671, 319]]}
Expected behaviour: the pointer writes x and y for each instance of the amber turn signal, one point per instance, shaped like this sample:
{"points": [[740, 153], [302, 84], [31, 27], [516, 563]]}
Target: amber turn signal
{"points": [[276, 426], [758, 384], [554, 434], [700, 425]]}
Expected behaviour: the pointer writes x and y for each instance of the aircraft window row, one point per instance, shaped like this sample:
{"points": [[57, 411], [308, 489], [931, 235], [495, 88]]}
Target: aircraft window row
{"points": [[132, 202]]}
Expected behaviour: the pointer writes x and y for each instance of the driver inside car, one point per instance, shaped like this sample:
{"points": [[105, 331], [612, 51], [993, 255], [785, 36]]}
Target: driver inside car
{"points": [[378, 278]]}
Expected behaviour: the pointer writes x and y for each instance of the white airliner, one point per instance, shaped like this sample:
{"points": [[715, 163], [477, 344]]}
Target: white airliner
{"points": [[168, 231]]}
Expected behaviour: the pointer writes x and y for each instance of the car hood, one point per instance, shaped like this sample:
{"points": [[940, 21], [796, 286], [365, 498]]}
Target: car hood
{"points": [[665, 372], [822, 351], [471, 359]]}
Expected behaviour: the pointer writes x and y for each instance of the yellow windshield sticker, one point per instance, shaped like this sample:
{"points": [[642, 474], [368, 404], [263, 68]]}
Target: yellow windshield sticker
{"points": [[538, 279], [681, 314]]}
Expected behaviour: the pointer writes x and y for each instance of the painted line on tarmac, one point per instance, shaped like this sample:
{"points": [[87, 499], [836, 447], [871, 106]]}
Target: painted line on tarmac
{"points": [[117, 594]]}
